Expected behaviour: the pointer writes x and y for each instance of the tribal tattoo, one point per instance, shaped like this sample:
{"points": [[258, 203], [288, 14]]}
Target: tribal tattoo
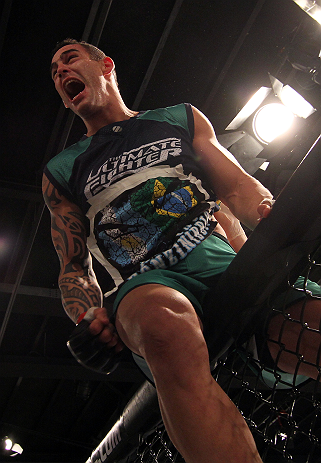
{"points": [[78, 294], [77, 281]]}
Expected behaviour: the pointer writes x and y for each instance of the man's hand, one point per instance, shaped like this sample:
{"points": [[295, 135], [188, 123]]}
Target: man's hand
{"points": [[102, 326], [231, 226], [95, 343], [265, 208]]}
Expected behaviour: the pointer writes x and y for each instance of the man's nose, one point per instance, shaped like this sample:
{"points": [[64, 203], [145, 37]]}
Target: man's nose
{"points": [[62, 69]]}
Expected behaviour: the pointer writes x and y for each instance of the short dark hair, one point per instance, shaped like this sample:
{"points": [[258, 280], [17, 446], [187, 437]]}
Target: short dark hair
{"points": [[94, 53]]}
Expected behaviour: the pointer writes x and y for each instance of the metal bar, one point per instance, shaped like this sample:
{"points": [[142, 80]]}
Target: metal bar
{"points": [[21, 272], [12, 366], [48, 154], [233, 54], [140, 414], [31, 291], [101, 21], [14, 259], [157, 53], [90, 21], [6, 192], [276, 253]]}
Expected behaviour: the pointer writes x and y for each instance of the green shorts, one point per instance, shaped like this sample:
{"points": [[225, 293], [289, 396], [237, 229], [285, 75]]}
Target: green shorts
{"points": [[194, 277]]}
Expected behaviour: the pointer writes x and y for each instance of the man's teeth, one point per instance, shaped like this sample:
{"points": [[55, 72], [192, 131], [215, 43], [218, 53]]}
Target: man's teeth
{"points": [[73, 88]]}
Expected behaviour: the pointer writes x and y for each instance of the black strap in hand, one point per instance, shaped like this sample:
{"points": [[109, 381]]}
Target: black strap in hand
{"points": [[90, 352]]}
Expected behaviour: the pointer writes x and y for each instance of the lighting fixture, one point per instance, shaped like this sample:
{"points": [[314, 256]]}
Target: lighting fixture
{"points": [[292, 99], [253, 103], [270, 121], [285, 103], [311, 7], [8, 447]]}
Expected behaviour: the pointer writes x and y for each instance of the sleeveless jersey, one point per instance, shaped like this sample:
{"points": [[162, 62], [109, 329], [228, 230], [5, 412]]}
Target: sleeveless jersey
{"points": [[142, 190]]}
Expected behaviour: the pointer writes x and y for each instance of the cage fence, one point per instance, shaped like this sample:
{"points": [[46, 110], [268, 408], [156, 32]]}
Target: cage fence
{"points": [[274, 382], [282, 410]]}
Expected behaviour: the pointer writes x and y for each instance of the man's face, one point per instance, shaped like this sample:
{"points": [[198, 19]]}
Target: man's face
{"points": [[79, 80]]}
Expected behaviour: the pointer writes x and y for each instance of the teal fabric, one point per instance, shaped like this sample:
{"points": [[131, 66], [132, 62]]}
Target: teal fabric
{"points": [[175, 115], [191, 276], [61, 165]]}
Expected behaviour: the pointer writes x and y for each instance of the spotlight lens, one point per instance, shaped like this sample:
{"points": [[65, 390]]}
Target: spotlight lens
{"points": [[272, 120], [8, 444]]}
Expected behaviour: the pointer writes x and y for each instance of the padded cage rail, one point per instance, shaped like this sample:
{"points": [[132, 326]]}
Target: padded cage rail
{"points": [[282, 410]]}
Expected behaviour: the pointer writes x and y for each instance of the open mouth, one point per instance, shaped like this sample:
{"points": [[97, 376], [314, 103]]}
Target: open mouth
{"points": [[73, 88]]}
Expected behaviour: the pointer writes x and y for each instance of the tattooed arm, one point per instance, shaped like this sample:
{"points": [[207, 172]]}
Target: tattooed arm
{"points": [[77, 281]]}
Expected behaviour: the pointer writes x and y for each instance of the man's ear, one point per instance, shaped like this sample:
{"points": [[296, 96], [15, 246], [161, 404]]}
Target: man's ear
{"points": [[109, 66]]}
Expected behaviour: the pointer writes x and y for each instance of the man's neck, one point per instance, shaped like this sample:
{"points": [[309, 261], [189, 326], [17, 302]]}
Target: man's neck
{"points": [[109, 116]]}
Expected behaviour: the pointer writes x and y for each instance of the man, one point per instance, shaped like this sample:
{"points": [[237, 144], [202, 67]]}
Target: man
{"points": [[140, 190]]}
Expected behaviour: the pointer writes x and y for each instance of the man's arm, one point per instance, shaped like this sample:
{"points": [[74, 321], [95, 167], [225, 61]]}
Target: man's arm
{"points": [[242, 193], [231, 226], [77, 281]]}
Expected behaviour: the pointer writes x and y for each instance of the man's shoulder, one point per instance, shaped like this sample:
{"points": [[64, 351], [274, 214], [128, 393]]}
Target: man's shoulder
{"points": [[69, 154], [177, 110], [59, 169], [179, 115]]}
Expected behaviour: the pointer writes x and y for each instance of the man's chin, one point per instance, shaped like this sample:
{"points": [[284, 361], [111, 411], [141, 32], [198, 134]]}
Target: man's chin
{"points": [[86, 112], [82, 109]]}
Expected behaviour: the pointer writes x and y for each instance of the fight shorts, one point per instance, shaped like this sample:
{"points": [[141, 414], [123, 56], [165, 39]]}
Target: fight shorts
{"points": [[196, 278]]}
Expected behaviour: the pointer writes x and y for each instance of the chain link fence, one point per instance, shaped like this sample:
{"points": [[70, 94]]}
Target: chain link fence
{"points": [[282, 410]]}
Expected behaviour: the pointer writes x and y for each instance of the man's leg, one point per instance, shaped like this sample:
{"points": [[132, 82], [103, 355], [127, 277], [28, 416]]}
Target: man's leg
{"points": [[160, 324], [296, 338]]}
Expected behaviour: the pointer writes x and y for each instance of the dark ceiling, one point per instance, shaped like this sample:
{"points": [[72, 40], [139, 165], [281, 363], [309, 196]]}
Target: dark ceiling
{"points": [[213, 54]]}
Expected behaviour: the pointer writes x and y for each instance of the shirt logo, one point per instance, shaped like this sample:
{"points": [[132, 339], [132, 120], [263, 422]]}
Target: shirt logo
{"points": [[130, 162]]}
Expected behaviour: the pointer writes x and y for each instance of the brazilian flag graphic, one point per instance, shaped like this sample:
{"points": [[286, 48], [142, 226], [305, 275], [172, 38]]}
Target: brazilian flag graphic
{"points": [[135, 227]]}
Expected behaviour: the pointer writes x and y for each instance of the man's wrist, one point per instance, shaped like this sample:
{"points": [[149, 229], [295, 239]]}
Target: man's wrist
{"points": [[236, 235], [88, 316]]}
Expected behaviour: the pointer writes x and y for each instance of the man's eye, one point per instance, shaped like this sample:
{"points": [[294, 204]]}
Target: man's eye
{"points": [[70, 57]]}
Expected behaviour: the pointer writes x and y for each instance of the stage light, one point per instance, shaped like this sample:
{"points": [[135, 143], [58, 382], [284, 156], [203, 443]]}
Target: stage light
{"points": [[272, 120], [295, 102], [282, 96], [5, 246], [253, 103], [311, 7], [10, 448], [264, 165], [8, 444], [257, 124]]}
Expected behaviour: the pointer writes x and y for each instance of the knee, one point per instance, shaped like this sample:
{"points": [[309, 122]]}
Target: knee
{"points": [[154, 321]]}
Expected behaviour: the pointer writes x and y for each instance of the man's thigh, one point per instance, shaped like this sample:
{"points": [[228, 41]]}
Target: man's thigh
{"points": [[162, 329], [154, 309]]}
